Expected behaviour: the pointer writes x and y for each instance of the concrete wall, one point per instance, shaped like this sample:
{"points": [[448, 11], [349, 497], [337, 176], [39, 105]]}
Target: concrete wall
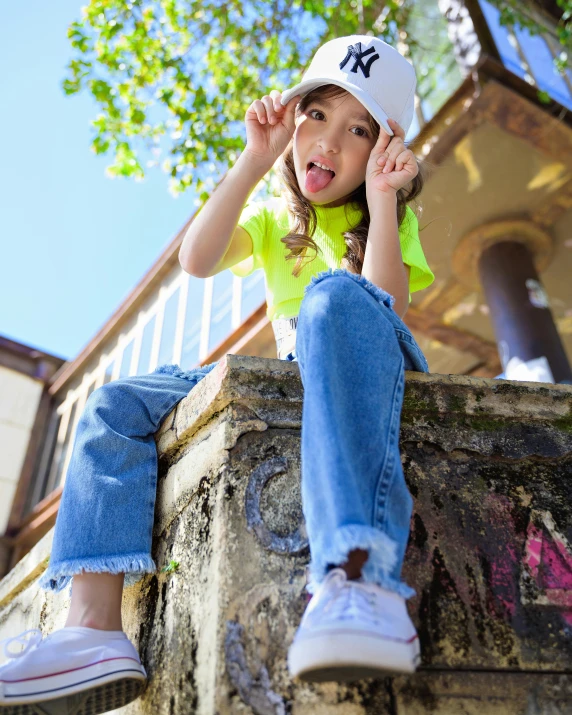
{"points": [[19, 398], [489, 464]]}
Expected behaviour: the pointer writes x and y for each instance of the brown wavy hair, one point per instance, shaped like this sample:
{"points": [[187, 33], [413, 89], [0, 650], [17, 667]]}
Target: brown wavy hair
{"points": [[303, 214]]}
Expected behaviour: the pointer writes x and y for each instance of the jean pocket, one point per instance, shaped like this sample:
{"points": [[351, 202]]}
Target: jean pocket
{"points": [[412, 353]]}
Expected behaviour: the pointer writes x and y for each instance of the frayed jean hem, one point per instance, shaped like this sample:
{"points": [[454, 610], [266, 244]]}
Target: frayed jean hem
{"points": [[176, 371], [381, 561], [134, 566]]}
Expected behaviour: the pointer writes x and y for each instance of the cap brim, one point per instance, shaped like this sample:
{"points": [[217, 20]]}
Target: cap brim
{"points": [[374, 109]]}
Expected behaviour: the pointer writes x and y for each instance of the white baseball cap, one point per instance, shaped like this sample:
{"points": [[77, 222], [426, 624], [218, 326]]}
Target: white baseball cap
{"points": [[370, 69]]}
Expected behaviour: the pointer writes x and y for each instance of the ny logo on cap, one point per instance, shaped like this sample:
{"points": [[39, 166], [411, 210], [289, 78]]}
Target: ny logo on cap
{"points": [[356, 52]]}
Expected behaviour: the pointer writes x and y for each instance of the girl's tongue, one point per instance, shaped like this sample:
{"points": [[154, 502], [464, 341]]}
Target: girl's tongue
{"points": [[317, 179]]}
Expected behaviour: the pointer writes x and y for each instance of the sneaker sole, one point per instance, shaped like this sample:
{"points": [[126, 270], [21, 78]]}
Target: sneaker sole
{"points": [[96, 692], [345, 657]]}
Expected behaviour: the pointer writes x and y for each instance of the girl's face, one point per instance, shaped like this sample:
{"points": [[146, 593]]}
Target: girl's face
{"points": [[335, 133]]}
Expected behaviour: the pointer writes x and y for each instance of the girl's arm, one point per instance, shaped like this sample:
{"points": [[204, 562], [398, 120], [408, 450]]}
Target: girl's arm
{"points": [[213, 234], [208, 238], [383, 262], [390, 167]]}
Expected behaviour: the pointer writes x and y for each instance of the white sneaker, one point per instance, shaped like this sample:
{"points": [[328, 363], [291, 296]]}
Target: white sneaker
{"points": [[352, 630], [73, 670]]}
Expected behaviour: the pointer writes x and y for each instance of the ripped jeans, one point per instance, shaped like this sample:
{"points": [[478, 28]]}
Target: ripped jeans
{"points": [[352, 350]]}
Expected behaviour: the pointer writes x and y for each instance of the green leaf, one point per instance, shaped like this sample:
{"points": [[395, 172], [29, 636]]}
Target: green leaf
{"points": [[171, 567]]}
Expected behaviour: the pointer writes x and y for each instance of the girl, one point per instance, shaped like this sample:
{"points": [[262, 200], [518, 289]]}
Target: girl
{"points": [[341, 254]]}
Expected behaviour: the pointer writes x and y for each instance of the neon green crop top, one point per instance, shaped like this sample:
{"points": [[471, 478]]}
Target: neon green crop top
{"points": [[267, 222]]}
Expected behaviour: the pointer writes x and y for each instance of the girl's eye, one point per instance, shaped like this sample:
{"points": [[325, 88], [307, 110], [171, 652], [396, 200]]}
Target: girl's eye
{"points": [[362, 130]]}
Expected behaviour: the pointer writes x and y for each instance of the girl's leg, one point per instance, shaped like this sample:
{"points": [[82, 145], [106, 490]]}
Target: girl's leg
{"points": [[96, 601], [103, 531], [353, 490], [105, 521], [352, 350]]}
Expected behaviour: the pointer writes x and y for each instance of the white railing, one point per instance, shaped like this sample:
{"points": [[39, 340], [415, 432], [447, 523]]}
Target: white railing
{"points": [[182, 324]]}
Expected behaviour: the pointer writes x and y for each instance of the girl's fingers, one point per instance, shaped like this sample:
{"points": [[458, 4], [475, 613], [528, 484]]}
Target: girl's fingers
{"points": [[290, 112], [293, 103], [270, 113], [396, 163], [393, 151], [396, 128], [269, 109], [402, 160], [280, 108], [260, 110], [382, 142], [383, 158], [275, 95]]}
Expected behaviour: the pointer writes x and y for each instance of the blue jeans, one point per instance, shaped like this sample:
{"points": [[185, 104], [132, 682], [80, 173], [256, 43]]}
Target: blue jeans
{"points": [[352, 350]]}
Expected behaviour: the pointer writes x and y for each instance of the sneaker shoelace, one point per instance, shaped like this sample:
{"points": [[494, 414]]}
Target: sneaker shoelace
{"points": [[28, 639], [349, 599]]}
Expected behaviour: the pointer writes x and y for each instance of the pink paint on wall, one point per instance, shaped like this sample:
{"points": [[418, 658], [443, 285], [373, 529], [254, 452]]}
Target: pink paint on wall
{"points": [[504, 563], [547, 565]]}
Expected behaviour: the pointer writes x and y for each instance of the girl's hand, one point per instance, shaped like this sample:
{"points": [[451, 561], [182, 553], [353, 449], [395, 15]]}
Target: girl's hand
{"points": [[391, 165], [269, 127]]}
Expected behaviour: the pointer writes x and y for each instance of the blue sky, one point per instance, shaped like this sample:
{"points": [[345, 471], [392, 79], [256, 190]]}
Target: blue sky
{"points": [[73, 242]]}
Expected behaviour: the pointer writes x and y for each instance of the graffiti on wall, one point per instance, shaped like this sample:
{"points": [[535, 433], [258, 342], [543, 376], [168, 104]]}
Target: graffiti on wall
{"points": [[546, 576]]}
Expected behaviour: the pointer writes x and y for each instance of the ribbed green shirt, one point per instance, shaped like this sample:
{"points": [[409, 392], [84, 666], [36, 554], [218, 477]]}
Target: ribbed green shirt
{"points": [[268, 221]]}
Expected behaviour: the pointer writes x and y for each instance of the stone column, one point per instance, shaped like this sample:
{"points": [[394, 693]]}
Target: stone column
{"points": [[504, 260], [520, 312]]}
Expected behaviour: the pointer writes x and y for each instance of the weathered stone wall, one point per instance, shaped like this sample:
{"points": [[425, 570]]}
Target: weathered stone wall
{"points": [[489, 464]]}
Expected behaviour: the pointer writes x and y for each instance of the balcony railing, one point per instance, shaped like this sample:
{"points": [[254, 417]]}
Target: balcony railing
{"points": [[181, 324]]}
